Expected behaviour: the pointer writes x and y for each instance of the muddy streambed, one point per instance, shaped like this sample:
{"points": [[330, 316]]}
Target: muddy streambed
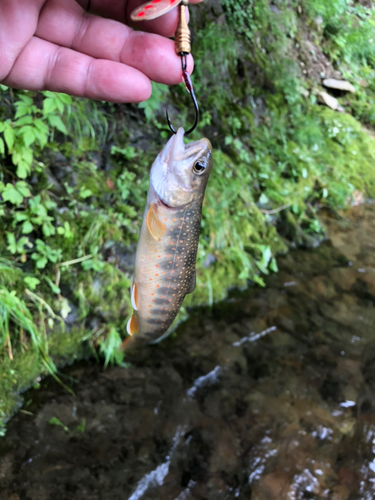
{"points": [[270, 395]]}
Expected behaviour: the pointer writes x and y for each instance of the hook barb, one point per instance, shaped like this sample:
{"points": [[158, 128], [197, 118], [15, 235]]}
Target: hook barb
{"points": [[189, 88]]}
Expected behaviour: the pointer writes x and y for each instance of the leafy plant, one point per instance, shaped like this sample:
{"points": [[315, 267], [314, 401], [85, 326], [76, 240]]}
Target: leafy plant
{"points": [[44, 254]]}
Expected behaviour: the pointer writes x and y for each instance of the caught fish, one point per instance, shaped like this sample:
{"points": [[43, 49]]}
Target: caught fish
{"points": [[167, 248]]}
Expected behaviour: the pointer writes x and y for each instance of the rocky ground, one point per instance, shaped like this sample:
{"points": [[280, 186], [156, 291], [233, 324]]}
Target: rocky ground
{"points": [[270, 395]]}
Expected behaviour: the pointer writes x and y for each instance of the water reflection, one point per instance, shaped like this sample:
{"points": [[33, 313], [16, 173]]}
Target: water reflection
{"points": [[270, 396]]}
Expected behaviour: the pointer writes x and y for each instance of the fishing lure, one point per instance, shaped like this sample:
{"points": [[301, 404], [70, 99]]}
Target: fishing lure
{"points": [[167, 248], [153, 9], [156, 8]]}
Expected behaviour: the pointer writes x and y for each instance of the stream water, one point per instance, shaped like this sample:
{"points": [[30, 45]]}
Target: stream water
{"points": [[269, 395]]}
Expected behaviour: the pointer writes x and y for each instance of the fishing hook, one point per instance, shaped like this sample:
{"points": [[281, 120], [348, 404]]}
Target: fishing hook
{"points": [[183, 49], [190, 89]]}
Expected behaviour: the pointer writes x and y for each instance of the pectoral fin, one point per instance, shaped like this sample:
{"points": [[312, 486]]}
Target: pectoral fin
{"points": [[192, 283], [155, 226]]}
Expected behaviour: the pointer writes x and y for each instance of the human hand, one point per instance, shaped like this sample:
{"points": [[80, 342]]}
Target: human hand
{"points": [[56, 45]]}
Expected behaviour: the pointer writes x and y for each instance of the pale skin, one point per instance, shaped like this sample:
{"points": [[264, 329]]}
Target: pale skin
{"points": [[57, 45]]}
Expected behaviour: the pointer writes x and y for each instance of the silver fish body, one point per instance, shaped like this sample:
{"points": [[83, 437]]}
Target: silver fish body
{"points": [[167, 248]]}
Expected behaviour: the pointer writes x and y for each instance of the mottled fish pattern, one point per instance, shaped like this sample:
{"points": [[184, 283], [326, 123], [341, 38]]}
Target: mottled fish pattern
{"points": [[167, 248]]}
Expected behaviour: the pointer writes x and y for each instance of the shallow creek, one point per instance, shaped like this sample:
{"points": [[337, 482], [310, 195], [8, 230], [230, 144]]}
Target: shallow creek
{"points": [[269, 395]]}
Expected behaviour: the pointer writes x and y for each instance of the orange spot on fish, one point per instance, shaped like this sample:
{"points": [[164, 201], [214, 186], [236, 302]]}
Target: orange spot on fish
{"points": [[157, 265], [152, 294], [170, 262], [153, 301], [168, 255], [172, 243], [179, 227], [169, 286], [169, 277], [150, 279], [149, 306], [172, 271], [158, 240], [156, 275], [181, 218], [165, 219], [163, 272], [157, 286], [174, 220], [162, 296], [158, 255]]}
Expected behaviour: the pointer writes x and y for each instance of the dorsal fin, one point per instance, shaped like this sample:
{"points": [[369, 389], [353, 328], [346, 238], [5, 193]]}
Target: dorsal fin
{"points": [[155, 226]]}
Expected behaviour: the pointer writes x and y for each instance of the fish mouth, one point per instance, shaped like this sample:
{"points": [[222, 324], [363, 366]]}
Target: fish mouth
{"points": [[181, 151]]}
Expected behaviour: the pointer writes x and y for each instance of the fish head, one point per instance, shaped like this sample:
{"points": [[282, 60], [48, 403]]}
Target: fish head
{"points": [[180, 172]]}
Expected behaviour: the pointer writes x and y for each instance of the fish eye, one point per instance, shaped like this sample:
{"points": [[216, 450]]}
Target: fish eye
{"points": [[199, 167]]}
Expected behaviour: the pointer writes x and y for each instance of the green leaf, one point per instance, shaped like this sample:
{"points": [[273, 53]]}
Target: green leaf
{"points": [[27, 227], [65, 99], [84, 192], [25, 120], [48, 229], [23, 188], [41, 262], [31, 282], [28, 135], [56, 122], [9, 137], [273, 265], [49, 106], [12, 246], [23, 169], [20, 216], [12, 194]]}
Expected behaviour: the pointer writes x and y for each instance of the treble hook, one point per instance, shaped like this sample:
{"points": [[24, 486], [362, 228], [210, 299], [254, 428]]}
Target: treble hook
{"points": [[190, 89]]}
